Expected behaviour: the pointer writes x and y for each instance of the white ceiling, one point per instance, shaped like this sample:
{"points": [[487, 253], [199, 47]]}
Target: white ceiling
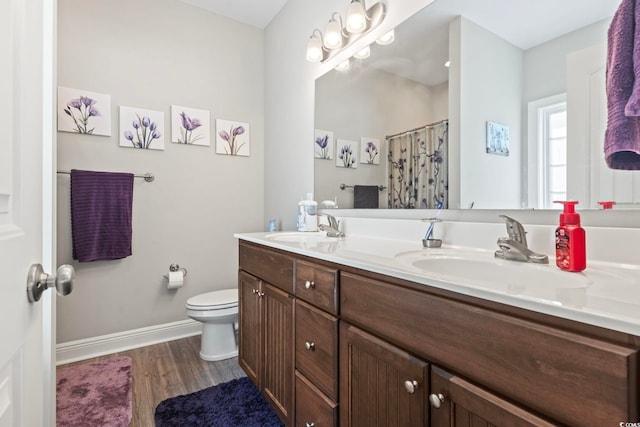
{"points": [[255, 13]]}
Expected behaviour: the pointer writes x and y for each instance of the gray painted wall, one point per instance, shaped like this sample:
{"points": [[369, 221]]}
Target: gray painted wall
{"points": [[152, 54]]}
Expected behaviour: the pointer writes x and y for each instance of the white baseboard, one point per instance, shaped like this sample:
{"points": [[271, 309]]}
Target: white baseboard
{"points": [[112, 343]]}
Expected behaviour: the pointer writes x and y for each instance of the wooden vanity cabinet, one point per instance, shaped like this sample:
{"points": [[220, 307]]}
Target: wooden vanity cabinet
{"points": [[266, 327], [316, 344], [329, 344], [457, 402], [380, 384]]}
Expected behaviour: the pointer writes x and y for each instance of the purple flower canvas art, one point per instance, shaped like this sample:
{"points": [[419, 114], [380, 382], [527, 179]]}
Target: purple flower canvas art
{"points": [[84, 112], [232, 138], [323, 144], [142, 129], [347, 154], [190, 126], [369, 151]]}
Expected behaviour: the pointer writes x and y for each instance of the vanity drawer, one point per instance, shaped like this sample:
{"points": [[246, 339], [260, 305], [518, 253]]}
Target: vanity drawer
{"points": [[313, 408], [317, 347], [574, 379], [268, 264], [317, 285]]}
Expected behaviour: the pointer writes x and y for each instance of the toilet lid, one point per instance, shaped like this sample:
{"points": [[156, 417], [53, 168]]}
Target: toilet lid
{"points": [[225, 298]]}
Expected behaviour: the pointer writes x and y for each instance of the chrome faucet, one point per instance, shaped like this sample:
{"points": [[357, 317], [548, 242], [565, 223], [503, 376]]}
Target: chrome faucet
{"points": [[332, 228], [515, 246]]}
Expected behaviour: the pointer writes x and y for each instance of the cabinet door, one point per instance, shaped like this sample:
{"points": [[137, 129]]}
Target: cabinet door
{"points": [[277, 382], [380, 385], [456, 402], [249, 332]]}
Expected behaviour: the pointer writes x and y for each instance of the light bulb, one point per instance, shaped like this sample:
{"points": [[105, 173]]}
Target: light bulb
{"points": [[333, 35], [356, 17], [387, 38], [363, 53], [343, 66], [314, 48]]}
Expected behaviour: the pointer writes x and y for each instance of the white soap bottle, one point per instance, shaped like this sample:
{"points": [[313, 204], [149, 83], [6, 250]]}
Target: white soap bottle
{"points": [[308, 214]]}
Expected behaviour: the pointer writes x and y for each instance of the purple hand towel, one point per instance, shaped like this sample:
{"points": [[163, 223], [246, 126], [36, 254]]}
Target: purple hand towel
{"points": [[622, 137], [101, 206]]}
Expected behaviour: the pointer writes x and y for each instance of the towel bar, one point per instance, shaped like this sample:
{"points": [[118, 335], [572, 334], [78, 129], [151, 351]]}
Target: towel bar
{"points": [[343, 186], [147, 176]]}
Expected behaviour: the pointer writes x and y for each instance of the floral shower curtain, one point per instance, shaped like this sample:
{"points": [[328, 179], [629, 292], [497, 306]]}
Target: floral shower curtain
{"points": [[418, 168]]}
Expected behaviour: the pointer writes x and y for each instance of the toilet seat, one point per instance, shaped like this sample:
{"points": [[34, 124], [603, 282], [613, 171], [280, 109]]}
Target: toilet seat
{"points": [[216, 300]]}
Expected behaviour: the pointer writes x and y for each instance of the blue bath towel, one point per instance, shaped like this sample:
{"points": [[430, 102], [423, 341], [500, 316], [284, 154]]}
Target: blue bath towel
{"points": [[101, 208], [622, 137]]}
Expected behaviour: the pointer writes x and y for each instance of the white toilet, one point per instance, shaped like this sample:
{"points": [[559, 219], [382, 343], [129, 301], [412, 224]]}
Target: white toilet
{"points": [[218, 312]]}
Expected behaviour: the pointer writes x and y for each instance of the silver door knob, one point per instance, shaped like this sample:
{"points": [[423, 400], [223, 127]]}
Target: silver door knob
{"points": [[311, 424], [436, 400], [309, 284], [38, 281], [311, 346], [411, 386]]}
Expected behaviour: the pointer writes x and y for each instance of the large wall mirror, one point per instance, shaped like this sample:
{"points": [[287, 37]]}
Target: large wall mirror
{"points": [[515, 119]]}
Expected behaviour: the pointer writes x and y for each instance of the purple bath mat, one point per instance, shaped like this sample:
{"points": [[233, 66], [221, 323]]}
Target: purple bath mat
{"points": [[234, 403], [94, 394]]}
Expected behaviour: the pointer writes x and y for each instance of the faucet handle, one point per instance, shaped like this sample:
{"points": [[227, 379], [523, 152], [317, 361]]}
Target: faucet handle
{"points": [[515, 230]]}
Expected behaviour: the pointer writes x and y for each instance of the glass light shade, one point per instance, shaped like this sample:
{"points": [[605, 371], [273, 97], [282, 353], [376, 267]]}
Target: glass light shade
{"points": [[356, 17], [387, 38], [314, 49], [333, 35], [363, 53], [343, 66]]}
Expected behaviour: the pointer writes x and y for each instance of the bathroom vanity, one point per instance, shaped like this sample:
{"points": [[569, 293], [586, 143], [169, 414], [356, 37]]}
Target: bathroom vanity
{"points": [[356, 331]]}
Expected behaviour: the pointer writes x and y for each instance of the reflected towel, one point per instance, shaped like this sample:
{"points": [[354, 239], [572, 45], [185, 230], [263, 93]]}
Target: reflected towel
{"points": [[101, 207], [365, 196], [622, 137]]}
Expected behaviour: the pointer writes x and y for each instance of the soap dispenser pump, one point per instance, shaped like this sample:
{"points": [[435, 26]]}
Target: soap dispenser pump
{"points": [[571, 253]]}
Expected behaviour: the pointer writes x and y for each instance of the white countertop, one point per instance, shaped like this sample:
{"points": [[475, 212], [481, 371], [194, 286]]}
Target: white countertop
{"points": [[605, 294]]}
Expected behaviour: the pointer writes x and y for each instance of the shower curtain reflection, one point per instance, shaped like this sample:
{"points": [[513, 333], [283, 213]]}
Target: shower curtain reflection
{"points": [[418, 167]]}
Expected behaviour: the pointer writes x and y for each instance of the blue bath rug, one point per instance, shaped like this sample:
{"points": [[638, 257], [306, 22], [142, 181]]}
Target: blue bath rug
{"points": [[234, 403]]}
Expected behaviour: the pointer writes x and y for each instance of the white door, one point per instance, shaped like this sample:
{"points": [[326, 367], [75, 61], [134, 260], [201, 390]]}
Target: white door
{"points": [[589, 179], [27, 40]]}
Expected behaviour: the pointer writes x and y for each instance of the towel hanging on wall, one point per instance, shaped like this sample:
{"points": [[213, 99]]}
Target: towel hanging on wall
{"points": [[365, 196], [622, 137], [101, 208]]}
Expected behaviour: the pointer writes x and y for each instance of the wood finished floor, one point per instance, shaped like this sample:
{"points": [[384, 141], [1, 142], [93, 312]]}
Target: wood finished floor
{"points": [[170, 369]]}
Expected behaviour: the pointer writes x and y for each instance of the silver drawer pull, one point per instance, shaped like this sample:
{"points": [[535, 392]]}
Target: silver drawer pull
{"points": [[309, 284], [436, 400], [311, 346], [411, 386]]}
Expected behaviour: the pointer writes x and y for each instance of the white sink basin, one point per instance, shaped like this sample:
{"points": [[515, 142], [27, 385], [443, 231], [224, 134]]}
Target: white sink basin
{"points": [[300, 237], [481, 269]]}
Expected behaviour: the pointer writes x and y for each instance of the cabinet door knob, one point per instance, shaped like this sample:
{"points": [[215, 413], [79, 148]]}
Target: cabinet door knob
{"points": [[254, 291], [436, 400], [260, 294], [411, 386], [309, 345], [311, 424], [309, 284]]}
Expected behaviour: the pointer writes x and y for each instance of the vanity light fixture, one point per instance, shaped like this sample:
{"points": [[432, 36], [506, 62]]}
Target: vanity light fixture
{"points": [[363, 53], [359, 21], [387, 38], [315, 48], [334, 35], [356, 17], [343, 66]]}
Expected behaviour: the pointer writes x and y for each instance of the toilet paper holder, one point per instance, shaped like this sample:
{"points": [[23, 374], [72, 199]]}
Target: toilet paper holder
{"points": [[174, 268]]}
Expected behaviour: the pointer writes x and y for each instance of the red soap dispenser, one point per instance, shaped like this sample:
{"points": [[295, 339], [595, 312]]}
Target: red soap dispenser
{"points": [[571, 253]]}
